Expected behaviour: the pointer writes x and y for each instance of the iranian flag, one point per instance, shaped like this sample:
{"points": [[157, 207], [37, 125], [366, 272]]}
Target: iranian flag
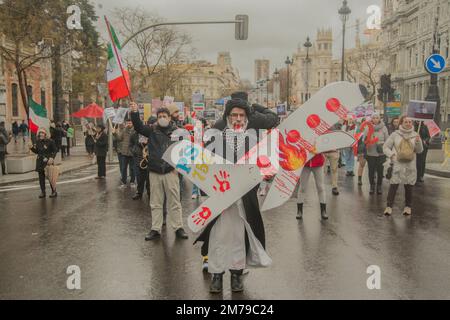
{"points": [[37, 117], [116, 74]]}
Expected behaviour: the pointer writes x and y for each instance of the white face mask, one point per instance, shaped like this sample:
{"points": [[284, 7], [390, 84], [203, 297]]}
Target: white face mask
{"points": [[164, 123]]}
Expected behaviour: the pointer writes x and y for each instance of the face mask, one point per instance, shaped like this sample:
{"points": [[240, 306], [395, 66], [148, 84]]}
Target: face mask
{"points": [[164, 123]]}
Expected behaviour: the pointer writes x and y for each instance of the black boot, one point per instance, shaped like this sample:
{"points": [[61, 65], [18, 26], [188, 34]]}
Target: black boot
{"points": [[54, 194], [299, 211], [237, 284], [42, 195], [216, 285], [379, 189], [137, 196], [323, 211], [359, 181], [372, 189], [153, 235], [181, 234]]}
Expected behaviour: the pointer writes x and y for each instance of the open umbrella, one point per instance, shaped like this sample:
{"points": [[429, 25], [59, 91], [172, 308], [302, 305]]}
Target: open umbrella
{"points": [[91, 111]]}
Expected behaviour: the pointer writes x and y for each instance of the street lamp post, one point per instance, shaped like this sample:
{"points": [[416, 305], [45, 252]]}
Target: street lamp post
{"points": [[344, 13], [276, 88], [288, 62], [307, 45]]}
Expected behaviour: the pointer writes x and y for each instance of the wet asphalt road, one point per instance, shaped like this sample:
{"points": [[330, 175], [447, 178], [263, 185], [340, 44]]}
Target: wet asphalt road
{"points": [[96, 226]]}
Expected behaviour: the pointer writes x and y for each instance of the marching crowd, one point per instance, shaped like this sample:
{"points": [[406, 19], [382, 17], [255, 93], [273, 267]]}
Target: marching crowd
{"points": [[236, 240]]}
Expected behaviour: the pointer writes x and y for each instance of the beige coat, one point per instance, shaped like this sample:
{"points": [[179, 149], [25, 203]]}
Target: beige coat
{"points": [[403, 172]]}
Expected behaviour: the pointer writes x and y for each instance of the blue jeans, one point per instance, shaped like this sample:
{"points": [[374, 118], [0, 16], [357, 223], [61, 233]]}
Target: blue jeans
{"points": [[124, 163], [349, 159]]}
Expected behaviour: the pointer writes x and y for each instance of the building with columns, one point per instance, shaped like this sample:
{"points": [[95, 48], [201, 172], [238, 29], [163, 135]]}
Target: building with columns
{"points": [[407, 35]]}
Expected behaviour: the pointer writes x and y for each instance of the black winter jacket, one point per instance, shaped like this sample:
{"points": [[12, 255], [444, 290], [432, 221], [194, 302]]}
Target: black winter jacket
{"points": [[45, 149], [159, 140], [101, 145]]}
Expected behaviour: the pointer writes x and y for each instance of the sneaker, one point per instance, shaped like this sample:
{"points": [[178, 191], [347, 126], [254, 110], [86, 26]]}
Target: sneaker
{"points": [[205, 264], [153, 235], [42, 195], [53, 195], [335, 191], [137, 196], [388, 211], [407, 211]]}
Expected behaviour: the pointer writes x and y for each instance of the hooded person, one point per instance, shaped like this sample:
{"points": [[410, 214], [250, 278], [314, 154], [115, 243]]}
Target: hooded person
{"points": [[259, 117], [45, 149], [236, 239]]}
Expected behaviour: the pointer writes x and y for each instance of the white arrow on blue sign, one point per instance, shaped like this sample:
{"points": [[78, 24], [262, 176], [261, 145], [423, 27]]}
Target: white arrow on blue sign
{"points": [[435, 63]]}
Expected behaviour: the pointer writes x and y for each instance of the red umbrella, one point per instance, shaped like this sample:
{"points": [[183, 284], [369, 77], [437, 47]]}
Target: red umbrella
{"points": [[91, 111]]}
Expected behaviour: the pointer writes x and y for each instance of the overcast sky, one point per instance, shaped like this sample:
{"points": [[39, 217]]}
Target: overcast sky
{"points": [[276, 26]]}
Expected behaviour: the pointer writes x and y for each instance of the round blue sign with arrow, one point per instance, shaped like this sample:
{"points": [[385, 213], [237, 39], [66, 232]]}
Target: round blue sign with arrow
{"points": [[435, 64]]}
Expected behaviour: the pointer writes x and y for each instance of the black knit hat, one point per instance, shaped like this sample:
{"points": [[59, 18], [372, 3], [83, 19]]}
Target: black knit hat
{"points": [[240, 95], [236, 103]]}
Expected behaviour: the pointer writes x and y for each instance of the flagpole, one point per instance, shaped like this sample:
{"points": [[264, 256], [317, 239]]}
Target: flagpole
{"points": [[117, 56]]}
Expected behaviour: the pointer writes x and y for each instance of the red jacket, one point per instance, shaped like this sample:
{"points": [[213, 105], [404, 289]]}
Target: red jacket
{"points": [[317, 161]]}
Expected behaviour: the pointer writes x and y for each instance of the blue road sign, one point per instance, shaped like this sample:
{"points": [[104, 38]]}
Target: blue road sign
{"points": [[435, 63]]}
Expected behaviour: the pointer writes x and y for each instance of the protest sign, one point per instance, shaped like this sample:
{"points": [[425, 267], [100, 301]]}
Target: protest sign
{"points": [[433, 128], [421, 110], [120, 115]]}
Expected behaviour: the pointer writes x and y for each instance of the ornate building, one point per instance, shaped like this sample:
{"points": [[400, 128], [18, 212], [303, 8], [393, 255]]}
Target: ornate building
{"points": [[215, 81], [407, 35]]}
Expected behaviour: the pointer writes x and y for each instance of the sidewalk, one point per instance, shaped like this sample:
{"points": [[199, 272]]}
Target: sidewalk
{"points": [[436, 169], [78, 160]]}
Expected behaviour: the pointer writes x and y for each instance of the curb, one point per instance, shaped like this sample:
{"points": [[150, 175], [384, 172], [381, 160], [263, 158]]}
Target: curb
{"points": [[438, 173], [36, 178]]}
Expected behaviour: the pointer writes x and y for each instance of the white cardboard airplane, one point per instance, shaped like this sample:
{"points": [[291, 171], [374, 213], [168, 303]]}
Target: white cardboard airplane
{"points": [[302, 135]]}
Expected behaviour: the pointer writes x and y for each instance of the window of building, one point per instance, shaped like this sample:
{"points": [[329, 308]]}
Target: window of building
{"points": [[325, 75], [318, 79], [15, 100], [29, 91], [43, 98]]}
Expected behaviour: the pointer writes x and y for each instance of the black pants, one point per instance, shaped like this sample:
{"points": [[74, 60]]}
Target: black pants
{"points": [[143, 180], [393, 191], [375, 165], [42, 181], [420, 163], [101, 164], [2, 161]]}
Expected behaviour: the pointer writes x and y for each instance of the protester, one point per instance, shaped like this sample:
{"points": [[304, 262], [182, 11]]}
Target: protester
{"points": [[375, 155], [89, 135], [15, 131], [5, 138], [362, 154], [69, 136], [225, 246], [175, 115], [333, 159], [138, 147], [64, 144], [101, 150], [163, 177], [347, 153], [45, 149], [122, 136], [24, 130], [424, 134], [401, 148], [314, 166], [393, 126]]}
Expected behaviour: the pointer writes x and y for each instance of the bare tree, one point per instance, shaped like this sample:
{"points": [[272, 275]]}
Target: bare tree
{"points": [[157, 58]]}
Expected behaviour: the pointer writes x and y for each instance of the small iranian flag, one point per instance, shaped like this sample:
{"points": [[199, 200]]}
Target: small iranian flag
{"points": [[116, 74], [37, 117]]}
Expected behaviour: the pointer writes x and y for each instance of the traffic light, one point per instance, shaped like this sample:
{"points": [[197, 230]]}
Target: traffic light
{"points": [[241, 32], [386, 92]]}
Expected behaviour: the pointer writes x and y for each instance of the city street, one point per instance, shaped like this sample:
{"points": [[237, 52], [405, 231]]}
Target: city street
{"points": [[96, 226]]}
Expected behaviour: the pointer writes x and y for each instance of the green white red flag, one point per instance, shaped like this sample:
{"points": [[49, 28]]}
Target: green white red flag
{"points": [[37, 117], [116, 73]]}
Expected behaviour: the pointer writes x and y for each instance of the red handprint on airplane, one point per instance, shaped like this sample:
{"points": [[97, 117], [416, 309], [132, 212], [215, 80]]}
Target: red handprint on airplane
{"points": [[223, 183], [202, 216]]}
